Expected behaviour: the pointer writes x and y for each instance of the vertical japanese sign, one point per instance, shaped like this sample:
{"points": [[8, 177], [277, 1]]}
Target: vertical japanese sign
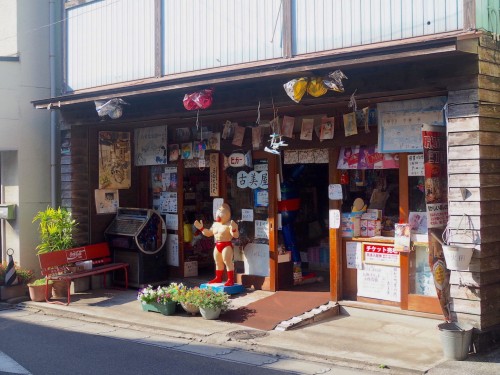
{"points": [[436, 199], [214, 175]]}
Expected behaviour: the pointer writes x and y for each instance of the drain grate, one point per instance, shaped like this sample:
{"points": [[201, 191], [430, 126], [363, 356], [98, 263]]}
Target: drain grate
{"points": [[247, 334]]}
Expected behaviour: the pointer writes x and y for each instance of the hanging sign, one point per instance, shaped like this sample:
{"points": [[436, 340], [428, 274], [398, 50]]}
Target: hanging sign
{"points": [[335, 192], [214, 175], [252, 179], [236, 159], [334, 219]]}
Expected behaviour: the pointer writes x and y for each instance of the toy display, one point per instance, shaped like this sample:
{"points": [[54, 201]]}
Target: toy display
{"points": [[223, 230]]}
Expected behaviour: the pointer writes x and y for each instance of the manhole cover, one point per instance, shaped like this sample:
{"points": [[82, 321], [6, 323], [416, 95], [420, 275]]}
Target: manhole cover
{"points": [[246, 334]]}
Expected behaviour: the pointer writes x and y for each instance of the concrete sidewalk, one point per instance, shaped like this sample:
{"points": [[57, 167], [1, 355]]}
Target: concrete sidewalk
{"points": [[358, 338]]}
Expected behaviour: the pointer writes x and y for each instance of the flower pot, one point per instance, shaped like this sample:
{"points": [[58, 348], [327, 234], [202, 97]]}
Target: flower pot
{"points": [[14, 291], [165, 309], [37, 293], [190, 308], [210, 314]]}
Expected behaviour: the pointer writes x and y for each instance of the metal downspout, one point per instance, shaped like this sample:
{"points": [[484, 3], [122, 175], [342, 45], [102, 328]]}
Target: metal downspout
{"points": [[53, 114]]}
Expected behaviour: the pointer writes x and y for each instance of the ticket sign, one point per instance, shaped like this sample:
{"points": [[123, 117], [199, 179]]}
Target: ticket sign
{"points": [[380, 253]]}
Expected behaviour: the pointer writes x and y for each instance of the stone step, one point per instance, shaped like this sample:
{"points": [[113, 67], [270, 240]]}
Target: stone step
{"points": [[315, 315]]}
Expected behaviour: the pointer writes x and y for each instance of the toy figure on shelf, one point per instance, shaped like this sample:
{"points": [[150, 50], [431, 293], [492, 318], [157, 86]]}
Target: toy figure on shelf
{"points": [[224, 230]]}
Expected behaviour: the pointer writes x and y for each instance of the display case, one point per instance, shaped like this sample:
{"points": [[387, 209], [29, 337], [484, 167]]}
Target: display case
{"points": [[137, 236]]}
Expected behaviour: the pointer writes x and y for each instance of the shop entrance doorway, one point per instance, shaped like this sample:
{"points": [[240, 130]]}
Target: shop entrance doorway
{"points": [[309, 225]]}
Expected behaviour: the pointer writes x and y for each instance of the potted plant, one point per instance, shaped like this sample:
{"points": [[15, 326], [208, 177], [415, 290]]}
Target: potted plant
{"points": [[212, 303], [37, 290], [189, 300], [24, 276], [162, 299], [55, 227]]}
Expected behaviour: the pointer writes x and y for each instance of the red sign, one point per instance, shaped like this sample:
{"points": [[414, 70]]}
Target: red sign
{"points": [[380, 253], [76, 255]]}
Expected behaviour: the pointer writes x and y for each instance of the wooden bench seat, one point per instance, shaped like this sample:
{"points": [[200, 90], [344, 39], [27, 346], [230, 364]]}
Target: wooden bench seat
{"points": [[55, 265]]}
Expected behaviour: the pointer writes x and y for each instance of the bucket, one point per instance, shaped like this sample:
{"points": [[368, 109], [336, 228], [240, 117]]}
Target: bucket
{"points": [[456, 339], [457, 258]]}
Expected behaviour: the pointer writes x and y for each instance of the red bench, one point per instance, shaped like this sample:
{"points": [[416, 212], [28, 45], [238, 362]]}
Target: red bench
{"points": [[57, 265]]}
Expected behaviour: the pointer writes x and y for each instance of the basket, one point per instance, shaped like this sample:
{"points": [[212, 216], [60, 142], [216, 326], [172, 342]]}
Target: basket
{"points": [[457, 258]]}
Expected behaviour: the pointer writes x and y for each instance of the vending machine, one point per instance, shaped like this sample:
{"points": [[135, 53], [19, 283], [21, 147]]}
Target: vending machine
{"points": [[137, 236]]}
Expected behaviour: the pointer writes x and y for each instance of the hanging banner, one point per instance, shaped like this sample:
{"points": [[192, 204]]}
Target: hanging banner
{"points": [[436, 199], [151, 146], [114, 160], [214, 175]]}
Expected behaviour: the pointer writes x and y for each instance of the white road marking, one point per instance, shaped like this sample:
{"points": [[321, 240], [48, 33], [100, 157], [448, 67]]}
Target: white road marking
{"points": [[7, 364]]}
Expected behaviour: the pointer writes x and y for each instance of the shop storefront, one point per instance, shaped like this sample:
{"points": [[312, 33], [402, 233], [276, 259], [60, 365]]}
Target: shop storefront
{"points": [[322, 213]]}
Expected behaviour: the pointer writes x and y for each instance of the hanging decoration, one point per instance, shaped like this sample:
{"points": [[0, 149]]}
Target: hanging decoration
{"points": [[316, 86], [112, 108], [198, 100], [276, 136]]}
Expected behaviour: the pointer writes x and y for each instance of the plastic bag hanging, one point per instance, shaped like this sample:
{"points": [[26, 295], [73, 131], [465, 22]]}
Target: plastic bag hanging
{"points": [[113, 108], [10, 272], [316, 87], [296, 88], [334, 81], [198, 100]]}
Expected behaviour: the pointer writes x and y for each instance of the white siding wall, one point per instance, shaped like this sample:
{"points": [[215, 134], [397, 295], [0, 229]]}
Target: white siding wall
{"points": [[110, 41], [8, 28], [24, 130], [321, 25], [201, 34]]}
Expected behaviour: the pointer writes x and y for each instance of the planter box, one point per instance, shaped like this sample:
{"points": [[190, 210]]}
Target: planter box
{"points": [[167, 309], [8, 292]]}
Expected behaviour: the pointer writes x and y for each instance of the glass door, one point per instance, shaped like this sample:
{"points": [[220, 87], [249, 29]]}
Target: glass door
{"points": [[251, 192], [421, 292]]}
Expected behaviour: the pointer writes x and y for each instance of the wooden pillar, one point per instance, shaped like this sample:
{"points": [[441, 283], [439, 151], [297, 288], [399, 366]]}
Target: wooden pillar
{"points": [[474, 191]]}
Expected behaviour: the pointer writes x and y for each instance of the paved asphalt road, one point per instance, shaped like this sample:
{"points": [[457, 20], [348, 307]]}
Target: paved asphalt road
{"points": [[44, 350], [38, 344]]}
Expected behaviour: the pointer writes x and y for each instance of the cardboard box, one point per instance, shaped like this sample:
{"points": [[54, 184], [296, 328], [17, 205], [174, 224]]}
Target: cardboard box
{"points": [[363, 228], [371, 214], [374, 228], [191, 268], [350, 224]]}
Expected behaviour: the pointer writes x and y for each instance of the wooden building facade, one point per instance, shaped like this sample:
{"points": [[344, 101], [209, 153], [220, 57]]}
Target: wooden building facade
{"points": [[458, 62]]}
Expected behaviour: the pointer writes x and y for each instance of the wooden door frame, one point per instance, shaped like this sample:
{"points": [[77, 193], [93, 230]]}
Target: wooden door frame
{"points": [[335, 238]]}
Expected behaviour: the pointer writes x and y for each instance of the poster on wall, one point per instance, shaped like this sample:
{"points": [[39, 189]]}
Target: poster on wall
{"points": [[400, 123], [114, 160], [366, 157], [380, 282], [151, 146], [436, 199], [173, 250], [106, 201]]}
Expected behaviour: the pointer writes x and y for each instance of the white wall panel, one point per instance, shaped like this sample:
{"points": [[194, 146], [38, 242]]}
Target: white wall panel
{"points": [[202, 34], [330, 24], [109, 42]]}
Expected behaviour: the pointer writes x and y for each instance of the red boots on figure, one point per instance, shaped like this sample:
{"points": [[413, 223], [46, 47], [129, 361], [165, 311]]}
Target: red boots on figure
{"points": [[218, 278]]}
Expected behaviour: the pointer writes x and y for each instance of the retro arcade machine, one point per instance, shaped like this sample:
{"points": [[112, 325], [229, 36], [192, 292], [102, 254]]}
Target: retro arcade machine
{"points": [[137, 236]]}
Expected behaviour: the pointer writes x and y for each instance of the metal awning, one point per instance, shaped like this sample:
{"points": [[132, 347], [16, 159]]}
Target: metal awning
{"points": [[430, 47]]}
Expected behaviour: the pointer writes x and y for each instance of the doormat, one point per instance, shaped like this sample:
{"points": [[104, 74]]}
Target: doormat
{"points": [[268, 312]]}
